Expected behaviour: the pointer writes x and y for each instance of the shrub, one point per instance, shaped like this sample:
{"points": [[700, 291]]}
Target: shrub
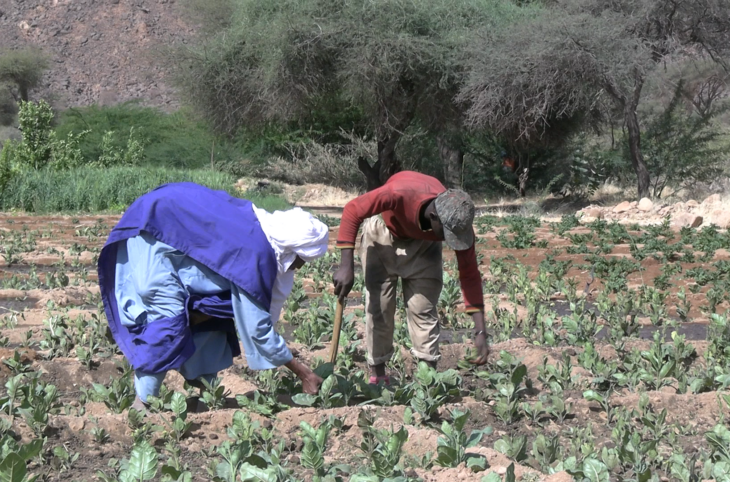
{"points": [[174, 140], [683, 150]]}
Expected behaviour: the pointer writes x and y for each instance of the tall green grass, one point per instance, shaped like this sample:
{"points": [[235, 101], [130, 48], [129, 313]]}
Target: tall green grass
{"points": [[174, 140], [109, 190]]}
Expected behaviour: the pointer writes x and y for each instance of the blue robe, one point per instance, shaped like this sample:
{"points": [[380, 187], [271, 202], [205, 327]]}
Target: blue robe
{"points": [[212, 228]]}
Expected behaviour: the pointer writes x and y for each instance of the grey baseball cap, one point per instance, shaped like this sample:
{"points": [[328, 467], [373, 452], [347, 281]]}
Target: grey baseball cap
{"points": [[455, 209]]}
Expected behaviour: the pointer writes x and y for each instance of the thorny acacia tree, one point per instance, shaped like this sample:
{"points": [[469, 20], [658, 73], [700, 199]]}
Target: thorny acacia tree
{"points": [[22, 68], [558, 65], [395, 60]]}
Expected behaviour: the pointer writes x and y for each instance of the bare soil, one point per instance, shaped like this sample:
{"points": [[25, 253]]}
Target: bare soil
{"points": [[55, 237]]}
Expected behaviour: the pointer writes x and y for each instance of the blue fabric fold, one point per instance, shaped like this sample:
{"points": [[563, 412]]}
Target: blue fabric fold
{"points": [[211, 227]]}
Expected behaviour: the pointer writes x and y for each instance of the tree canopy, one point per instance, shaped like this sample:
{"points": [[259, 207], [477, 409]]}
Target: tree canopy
{"points": [[530, 80], [22, 68], [394, 60]]}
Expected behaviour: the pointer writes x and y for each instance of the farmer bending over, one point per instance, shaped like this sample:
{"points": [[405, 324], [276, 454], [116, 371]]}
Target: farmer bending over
{"points": [[187, 269], [403, 224]]}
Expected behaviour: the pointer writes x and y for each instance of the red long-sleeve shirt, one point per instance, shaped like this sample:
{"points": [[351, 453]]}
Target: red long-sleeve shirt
{"points": [[400, 201]]}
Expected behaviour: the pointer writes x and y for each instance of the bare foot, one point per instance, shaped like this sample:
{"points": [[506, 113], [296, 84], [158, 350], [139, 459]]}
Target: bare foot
{"points": [[311, 384]]}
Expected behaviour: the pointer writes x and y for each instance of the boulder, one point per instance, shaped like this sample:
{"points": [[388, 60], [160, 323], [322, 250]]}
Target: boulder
{"points": [[712, 200], [687, 220], [623, 207], [645, 204], [721, 219]]}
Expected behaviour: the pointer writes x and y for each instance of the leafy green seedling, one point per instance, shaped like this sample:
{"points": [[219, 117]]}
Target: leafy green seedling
{"points": [[214, 394], [453, 442], [515, 447]]}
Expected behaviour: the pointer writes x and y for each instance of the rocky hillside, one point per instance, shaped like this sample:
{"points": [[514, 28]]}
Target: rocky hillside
{"points": [[102, 51]]}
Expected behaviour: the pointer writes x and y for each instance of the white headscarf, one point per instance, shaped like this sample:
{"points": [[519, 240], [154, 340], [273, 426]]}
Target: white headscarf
{"points": [[291, 233]]}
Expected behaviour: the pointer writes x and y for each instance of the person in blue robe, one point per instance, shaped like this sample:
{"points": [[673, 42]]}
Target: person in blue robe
{"points": [[188, 272]]}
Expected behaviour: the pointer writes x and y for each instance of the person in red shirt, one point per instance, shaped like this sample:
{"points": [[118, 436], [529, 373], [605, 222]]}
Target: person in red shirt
{"points": [[404, 222]]}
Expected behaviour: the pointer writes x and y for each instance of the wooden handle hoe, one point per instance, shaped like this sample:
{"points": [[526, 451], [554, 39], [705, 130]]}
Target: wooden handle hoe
{"points": [[336, 331]]}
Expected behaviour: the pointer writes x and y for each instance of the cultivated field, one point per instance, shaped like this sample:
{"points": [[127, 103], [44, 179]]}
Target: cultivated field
{"points": [[610, 361]]}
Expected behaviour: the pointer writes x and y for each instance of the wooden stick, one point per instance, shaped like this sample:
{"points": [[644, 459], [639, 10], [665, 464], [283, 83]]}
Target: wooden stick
{"points": [[336, 332]]}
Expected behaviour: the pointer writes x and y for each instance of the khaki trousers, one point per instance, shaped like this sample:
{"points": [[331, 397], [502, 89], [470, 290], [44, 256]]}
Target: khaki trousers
{"points": [[418, 264]]}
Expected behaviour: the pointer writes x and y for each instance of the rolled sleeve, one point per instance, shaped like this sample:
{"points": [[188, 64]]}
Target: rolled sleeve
{"points": [[263, 347]]}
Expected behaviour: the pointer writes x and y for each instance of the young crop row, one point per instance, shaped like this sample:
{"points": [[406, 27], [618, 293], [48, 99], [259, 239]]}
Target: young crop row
{"points": [[533, 414]]}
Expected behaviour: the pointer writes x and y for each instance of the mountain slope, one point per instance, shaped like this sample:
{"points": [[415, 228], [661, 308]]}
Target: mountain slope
{"points": [[102, 51]]}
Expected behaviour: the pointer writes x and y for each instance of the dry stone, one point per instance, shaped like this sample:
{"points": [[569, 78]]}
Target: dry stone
{"points": [[712, 200], [623, 207], [692, 203], [721, 219], [645, 204], [595, 213], [687, 220], [559, 477]]}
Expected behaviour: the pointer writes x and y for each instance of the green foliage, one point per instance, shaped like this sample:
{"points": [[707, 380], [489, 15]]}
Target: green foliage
{"points": [[36, 149], [142, 465], [94, 190], [14, 457], [381, 447], [8, 107], [315, 443], [117, 396], [23, 68], [683, 149], [129, 134], [515, 447], [454, 441], [214, 394]]}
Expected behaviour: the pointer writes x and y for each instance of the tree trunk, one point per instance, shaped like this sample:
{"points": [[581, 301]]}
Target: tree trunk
{"points": [[387, 161], [524, 175], [453, 160], [372, 173], [637, 159], [23, 91], [631, 119]]}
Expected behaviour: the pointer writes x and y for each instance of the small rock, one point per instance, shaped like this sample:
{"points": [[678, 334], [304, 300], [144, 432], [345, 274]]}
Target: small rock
{"points": [[593, 213], [623, 207], [645, 204], [500, 470], [692, 203], [76, 425]]}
